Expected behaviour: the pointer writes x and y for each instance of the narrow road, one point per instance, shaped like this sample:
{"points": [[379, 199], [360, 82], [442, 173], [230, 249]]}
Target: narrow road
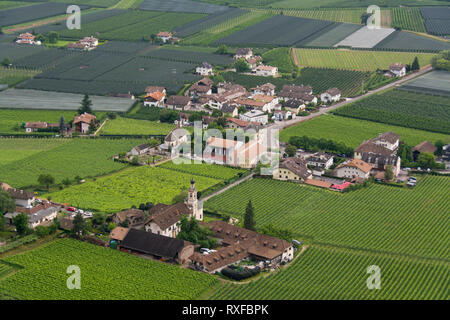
{"points": [[227, 187], [285, 124]]}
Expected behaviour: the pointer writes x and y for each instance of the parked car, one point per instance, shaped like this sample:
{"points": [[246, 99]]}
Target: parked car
{"points": [[71, 209], [296, 242], [204, 250], [88, 214]]}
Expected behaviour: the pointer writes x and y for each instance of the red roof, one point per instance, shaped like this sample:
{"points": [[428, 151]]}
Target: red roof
{"points": [[342, 186]]}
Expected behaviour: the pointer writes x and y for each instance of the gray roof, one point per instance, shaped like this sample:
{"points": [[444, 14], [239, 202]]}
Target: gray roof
{"points": [[35, 217]]}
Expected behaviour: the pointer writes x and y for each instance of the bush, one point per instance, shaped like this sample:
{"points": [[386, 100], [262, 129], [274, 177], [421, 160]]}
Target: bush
{"points": [[240, 275]]}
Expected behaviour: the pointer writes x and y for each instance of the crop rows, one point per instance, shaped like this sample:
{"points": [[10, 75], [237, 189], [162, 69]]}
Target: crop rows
{"points": [[181, 6], [12, 76], [435, 82], [324, 273], [402, 40], [206, 170], [190, 56], [403, 108], [376, 218], [409, 19], [44, 275], [437, 20], [136, 127]]}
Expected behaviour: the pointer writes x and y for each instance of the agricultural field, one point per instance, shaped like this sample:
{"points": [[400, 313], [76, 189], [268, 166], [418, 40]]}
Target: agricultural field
{"points": [[403, 108], [333, 36], [277, 31], [66, 158], [365, 38], [12, 76], [352, 132], [34, 99], [408, 19], [14, 51], [124, 126], [313, 276], [189, 56], [43, 275], [181, 6], [129, 187], [93, 3], [376, 218], [281, 58], [207, 170], [435, 82], [358, 60], [45, 59], [349, 82], [304, 4], [408, 41], [437, 20], [4, 5], [13, 118]]}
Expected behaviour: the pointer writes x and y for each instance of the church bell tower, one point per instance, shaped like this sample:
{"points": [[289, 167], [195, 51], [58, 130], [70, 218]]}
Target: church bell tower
{"points": [[192, 202]]}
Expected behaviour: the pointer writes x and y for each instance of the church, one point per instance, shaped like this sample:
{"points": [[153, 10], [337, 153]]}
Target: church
{"points": [[164, 219]]}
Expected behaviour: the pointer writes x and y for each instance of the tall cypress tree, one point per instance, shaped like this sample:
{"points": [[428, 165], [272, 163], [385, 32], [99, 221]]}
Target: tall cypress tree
{"points": [[249, 218], [86, 104], [415, 65]]}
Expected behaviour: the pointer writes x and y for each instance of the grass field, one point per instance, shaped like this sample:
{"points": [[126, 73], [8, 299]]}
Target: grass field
{"points": [[377, 218], [403, 108], [356, 59], [281, 58], [12, 76], [136, 127], [132, 186], [206, 170], [44, 275], [327, 273], [62, 158], [352, 132]]}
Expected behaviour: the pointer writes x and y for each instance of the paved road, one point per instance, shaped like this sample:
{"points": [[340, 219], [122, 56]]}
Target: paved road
{"points": [[297, 120]]}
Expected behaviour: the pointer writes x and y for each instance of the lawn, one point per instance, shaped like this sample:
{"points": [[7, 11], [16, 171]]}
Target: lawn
{"points": [[62, 158], [356, 59], [136, 127], [129, 187], [105, 274], [376, 218], [328, 273], [353, 132]]}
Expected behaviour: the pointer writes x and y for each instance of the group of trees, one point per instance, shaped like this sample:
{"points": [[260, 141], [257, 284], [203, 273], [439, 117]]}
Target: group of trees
{"points": [[424, 159], [326, 145], [241, 66], [441, 61], [192, 231]]}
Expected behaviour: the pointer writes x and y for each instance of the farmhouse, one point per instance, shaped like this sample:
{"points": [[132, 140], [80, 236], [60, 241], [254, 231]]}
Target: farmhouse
{"points": [[354, 168], [176, 137], [83, 121], [90, 41], [131, 218], [205, 69], [118, 234], [266, 71], [164, 36], [200, 88], [320, 160], [157, 246], [87, 43], [267, 89], [425, 146], [140, 149], [230, 109], [27, 38], [255, 116], [40, 214], [292, 169], [178, 103], [155, 99], [243, 53], [23, 198], [398, 69], [294, 92], [294, 106], [35, 126], [331, 95], [240, 244]]}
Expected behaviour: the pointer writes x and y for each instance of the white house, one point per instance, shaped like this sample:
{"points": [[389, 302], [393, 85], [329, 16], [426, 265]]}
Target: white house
{"points": [[320, 160], [266, 71], [176, 137], [164, 36], [354, 168], [398, 69], [155, 99], [267, 89], [42, 216], [205, 69], [282, 115], [254, 116], [331, 95], [243, 53], [140, 149]]}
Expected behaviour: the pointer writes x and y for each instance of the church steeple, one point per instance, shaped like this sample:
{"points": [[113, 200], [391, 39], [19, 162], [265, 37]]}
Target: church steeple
{"points": [[192, 202]]}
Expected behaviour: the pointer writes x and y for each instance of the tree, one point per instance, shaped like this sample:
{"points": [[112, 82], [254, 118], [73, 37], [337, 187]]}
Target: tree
{"points": [[62, 124], [222, 49], [98, 218], [249, 217], [86, 104], [426, 160], [135, 161], [241, 66], [6, 62], [180, 197], [441, 61], [79, 225], [21, 223], [1, 30], [191, 231], [388, 173], [53, 37], [6, 204], [439, 145], [46, 179], [415, 65], [66, 182], [364, 17], [291, 150]]}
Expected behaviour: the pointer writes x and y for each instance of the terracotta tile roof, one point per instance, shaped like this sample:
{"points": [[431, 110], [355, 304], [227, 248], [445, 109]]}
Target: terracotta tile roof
{"points": [[118, 233], [359, 164], [85, 118], [250, 102], [389, 136], [155, 96], [239, 122], [36, 125], [265, 68], [263, 98], [164, 34], [297, 166], [166, 216], [318, 183], [371, 147], [20, 194], [151, 89]]}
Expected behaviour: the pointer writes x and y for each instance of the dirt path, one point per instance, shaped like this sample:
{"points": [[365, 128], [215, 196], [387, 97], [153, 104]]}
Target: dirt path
{"points": [[227, 187], [33, 25]]}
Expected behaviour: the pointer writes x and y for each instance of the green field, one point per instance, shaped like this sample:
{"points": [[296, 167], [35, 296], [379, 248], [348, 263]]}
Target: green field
{"points": [[408, 19], [4, 5], [303, 4], [62, 158], [327, 273], [377, 218], [352, 132], [136, 127], [12, 76], [132, 186], [280, 58], [206, 170], [105, 274], [357, 59], [403, 108]]}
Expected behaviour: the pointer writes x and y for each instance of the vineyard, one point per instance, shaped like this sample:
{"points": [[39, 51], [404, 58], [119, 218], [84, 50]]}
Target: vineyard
{"points": [[124, 126], [357, 59], [207, 170], [326, 273], [403, 108], [408, 19], [436, 82], [12, 76], [365, 37], [181, 6], [376, 218], [437, 20], [352, 132], [44, 275], [62, 158], [281, 58], [130, 187], [402, 40], [190, 56], [333, 36]]}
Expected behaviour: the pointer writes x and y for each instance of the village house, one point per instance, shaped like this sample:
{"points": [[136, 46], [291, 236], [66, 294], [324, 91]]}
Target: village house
{"points": [[255, 116], [157, 246], [229, 91], [446, 156], [254, 61], [239, 244], [118, 234], [35, 126], [83, 121], [230, 109], [289, 92], [23, 198], [267, 89], [425, 146], [292, 169], [331, 95], [320, 160], [200, 88], [265, 71], [153, 89], [27, 38], [90, 41], [175, 138], [283, 115], [205, 69], [295, 106], [398, 69], [131, 218], [140, 150], [165, 219], [77, 46], [178, 103], [155, 99], [233, 123], [243, 53], [354, 168], [183, 120], [40, 214], [269, 101], [207, 120], [87, 43], [165, 36]]}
